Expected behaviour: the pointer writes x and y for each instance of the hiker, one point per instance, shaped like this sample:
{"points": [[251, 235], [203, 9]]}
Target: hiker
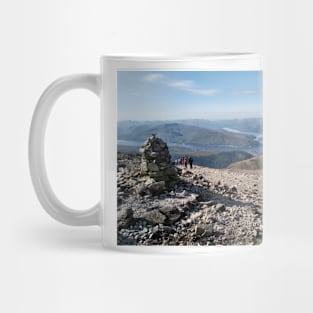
{"points": [[185, 161], [190, 160]]}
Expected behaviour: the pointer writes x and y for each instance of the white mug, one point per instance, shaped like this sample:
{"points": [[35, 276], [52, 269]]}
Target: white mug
{"points": [[181, 151]]}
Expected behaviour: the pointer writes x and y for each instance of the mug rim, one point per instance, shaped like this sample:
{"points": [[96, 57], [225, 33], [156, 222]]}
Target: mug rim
{"points": [[177, 57]]}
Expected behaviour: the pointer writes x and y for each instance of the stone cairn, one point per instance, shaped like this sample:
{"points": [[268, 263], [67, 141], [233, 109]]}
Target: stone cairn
{"points": [[156, 161]]}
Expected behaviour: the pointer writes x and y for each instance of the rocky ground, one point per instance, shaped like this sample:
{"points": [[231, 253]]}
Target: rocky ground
{"points": [[206, 207]]}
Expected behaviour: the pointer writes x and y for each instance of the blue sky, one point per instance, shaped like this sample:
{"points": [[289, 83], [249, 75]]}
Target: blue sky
{"points": [[170, 95]]}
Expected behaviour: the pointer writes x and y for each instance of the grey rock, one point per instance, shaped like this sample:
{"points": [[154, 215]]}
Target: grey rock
{"points": [[208, 203], [234, 189], [199, 230], [144, 167], [209, 230], [157, 188], [149, 181], [172, 213], [119, 200], [124, 217], [220, 207], [153, 167], [204, 230], [191, 204], [141, 189], [154, 217], [124, 240], [165, 229]]}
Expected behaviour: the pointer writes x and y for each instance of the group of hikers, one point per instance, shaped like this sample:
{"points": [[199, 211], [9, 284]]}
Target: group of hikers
{"points": [[184, 161]]}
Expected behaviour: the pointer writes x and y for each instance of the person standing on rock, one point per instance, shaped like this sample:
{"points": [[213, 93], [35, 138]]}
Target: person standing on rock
{"points": [[190, 160], [185, 161]]}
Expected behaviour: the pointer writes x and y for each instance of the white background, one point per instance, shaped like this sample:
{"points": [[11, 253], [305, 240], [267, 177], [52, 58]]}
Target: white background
{"points": [[49, 267]]}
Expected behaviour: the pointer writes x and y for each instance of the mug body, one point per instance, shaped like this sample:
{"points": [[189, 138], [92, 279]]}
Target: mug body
{"points": [[181, 142]]}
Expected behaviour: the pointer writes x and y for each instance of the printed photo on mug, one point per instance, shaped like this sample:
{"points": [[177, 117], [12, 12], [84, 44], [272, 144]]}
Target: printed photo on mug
{"points": [[189, 157]]}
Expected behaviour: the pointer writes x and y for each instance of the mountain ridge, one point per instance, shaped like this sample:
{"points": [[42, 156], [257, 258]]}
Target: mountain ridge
{"points": [[252, 125], [179, 133], [254, 163]]}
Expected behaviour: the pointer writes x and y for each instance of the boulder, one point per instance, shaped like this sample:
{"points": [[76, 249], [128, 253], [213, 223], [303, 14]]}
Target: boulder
{"points": [[141, 189], [154, 217], [204, 230], [220, 207], [199, 230], [156, 188], [124, 217], [172, 214]]}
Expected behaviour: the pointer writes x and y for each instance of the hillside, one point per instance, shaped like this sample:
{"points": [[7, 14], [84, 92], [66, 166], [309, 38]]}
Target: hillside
{"points": [[212, 159], [250, 164], [180, 133], [220, 159]]}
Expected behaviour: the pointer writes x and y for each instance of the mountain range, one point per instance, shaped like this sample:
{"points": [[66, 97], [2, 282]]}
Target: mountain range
{"points": [[236, 132], [253, 125], [215, 144]]}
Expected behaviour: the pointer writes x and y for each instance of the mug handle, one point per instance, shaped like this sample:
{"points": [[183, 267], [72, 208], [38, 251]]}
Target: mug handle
{"points": [[37, 166]]}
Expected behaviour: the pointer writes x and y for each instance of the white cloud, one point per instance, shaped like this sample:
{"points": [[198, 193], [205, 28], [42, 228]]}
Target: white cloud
{"points": [[186, 85], [249, 92], [190, 86], [153, 77], [181, 84], [203, 92], [245, 92]]}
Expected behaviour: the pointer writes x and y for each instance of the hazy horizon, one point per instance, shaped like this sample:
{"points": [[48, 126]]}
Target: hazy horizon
{"points": [[186, 119], [182, 95]]}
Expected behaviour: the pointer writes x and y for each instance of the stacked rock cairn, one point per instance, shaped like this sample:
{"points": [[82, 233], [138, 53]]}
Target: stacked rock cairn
{"points": [[156, 161]]}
